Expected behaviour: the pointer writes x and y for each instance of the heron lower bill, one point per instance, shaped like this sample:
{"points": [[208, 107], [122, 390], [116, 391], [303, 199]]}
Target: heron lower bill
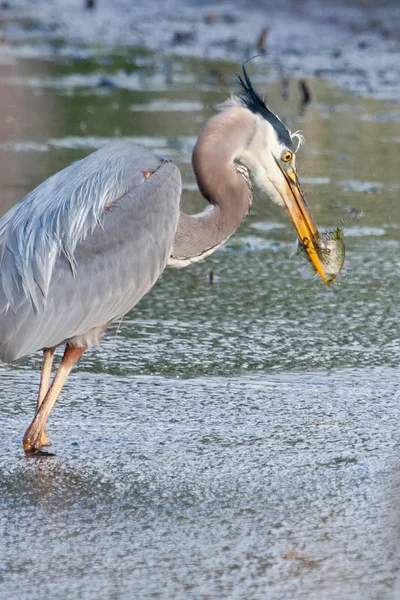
{"points": [[302, 219]]}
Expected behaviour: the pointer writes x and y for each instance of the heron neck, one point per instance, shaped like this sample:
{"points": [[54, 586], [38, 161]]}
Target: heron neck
{"points": [[221, 184]]}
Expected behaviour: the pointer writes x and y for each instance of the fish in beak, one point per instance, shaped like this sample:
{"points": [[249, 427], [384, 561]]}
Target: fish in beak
{"points": [[296, 206]]}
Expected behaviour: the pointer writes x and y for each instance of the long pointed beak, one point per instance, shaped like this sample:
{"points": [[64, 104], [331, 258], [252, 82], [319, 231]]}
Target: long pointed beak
{"points": [[302, 219]]}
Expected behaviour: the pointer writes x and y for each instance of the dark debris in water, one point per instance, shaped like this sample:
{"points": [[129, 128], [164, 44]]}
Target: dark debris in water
{"points": [[183, 38], [105, 82]]}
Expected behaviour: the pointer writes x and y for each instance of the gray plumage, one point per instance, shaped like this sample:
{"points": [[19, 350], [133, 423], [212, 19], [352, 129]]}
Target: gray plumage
{"points": [[69, 266]]}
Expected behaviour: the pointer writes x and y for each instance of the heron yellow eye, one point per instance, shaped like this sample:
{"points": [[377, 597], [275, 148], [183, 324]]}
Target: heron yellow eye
{"points": [[287, 156]]}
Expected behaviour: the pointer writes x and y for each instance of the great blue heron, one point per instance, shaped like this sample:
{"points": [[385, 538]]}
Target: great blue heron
{"points": [[80, 250]]}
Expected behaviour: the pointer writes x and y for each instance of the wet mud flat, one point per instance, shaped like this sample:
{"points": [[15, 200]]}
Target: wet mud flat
{"points": [[355, 45], [234, 440], [248, 487]]}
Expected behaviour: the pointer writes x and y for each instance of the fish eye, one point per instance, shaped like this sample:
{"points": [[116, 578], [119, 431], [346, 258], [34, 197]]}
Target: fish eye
{"points": [[287, 156]]}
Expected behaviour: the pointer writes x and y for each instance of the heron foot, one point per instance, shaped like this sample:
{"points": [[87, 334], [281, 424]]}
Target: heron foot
{"points": [[34, 441]]}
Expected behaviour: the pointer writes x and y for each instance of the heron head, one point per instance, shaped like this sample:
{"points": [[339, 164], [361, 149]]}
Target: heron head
{"points": [[271, 157]]}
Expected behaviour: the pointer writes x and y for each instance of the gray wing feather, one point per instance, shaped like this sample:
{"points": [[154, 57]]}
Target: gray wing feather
{"points": [[75, 276], [63, 210]]}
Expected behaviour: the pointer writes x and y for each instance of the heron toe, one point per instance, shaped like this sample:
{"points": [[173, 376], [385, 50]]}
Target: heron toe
{"points": [[44, 439]]}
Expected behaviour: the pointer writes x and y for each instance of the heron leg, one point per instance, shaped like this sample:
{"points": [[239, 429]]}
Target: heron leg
{"points": [[48, 356], [34, 434]]}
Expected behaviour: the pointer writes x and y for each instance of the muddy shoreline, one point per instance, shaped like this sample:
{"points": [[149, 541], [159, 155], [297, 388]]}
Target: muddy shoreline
{"points": [[354, 46]]}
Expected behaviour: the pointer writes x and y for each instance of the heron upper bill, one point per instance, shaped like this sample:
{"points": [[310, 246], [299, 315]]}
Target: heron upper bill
{"points": [[302, 219]]}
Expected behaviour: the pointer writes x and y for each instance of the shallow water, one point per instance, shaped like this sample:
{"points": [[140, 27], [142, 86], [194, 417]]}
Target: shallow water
{"points": [[238, 440]]}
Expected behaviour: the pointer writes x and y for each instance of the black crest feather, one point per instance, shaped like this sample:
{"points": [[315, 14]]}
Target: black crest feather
{"points": [[258, 106]]}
